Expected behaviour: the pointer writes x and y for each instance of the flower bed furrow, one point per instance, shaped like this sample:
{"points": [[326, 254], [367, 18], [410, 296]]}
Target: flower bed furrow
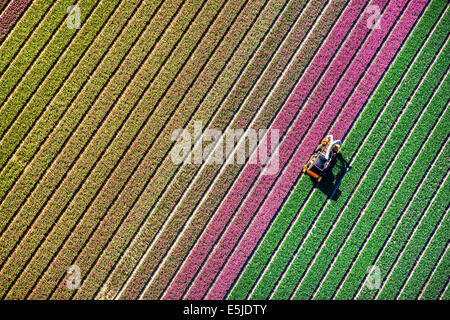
{"points": [[385, 191], [13, 42], [226, 244], [130, 163], [10, 16], [391, 250], [43, 90], [436, 249], [202, 181], [277, 98], [308, 215], [76, 206], [290, 210], [48, 41], [436, 217], [350, 215], [86, 113], [241, 26], [114, 119], [50, 119], [280, 191], [439, 279]]}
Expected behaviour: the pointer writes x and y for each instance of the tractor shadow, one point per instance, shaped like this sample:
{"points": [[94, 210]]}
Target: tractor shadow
{"points": [[330, 182]]}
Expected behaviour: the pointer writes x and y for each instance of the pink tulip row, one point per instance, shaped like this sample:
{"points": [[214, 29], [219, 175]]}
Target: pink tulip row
{"points": [[347, 116], [10, 16], [221, 218]]}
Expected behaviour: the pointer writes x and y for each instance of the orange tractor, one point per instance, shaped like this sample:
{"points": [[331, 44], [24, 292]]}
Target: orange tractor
{"points": [[319, 162]]}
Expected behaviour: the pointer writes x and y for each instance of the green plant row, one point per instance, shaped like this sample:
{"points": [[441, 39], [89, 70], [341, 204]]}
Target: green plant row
{"points": [[437, 213], [144, 193], [389, 189], [439, 278], [207, 173], [398, 240], [381, 234], [33, 15], [24, 203], [11, 98], [303, 188], [78, 202], [446, 293], [143, 163], [427, 262], [357, 202], [96, 115]]}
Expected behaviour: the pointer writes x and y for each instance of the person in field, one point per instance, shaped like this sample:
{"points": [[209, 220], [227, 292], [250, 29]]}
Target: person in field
{"points": [[322, 156], [329, 148]]}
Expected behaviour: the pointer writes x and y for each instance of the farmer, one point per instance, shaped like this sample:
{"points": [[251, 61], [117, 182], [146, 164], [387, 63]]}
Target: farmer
{"points": [[327, 143]]}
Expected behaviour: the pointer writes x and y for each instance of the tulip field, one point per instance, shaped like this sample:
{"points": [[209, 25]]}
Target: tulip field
{"points": [[93, 205]]}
